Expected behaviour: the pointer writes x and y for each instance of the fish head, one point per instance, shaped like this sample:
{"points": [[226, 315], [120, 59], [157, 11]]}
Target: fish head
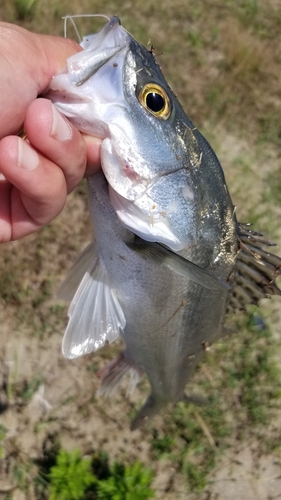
{"points": [[151, 157]]}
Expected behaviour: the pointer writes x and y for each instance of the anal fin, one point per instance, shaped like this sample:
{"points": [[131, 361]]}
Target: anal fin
{"points": [[113, 374]]}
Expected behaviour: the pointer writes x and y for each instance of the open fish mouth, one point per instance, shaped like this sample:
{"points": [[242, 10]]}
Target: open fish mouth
{"points": [[99, 49]]}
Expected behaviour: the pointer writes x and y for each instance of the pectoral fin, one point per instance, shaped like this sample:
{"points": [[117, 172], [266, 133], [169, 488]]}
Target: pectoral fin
{"points": [[178, 264], [85, 261], [95, 314]]}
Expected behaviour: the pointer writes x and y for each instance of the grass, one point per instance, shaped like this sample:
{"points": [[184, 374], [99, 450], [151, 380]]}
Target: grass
{"points": [[70, 477], [73, 477], [223, 59], [24, 9]]}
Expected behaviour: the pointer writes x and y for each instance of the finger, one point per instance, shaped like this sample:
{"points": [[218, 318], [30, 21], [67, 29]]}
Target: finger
{"points": [[93, 154], [38, 191], [5, 222], [41, 57], [54, 136]]}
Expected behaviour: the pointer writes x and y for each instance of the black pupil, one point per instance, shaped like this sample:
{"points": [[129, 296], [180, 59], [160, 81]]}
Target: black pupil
{"points": [[155, 102]]}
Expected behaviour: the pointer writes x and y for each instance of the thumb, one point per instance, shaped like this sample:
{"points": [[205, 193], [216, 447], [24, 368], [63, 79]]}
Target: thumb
{"points": [[28, 61]]}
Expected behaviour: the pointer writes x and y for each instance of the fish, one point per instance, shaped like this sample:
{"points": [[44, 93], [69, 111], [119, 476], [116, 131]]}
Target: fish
{"points": [[169, 259]]}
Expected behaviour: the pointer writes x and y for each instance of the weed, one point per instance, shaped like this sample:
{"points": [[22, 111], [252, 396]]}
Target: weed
{"points": [[254, 369], [29, 388], [129, 482], [22, 473], [70, 477], [196, 477], [73, 477], [162, 445]]}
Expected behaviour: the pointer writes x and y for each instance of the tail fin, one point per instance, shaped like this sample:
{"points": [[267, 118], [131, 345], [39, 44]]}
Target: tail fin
{"points": [[149, 410]]}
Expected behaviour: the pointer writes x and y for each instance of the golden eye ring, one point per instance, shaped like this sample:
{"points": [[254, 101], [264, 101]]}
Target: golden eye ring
{"points": [[155, 100]]}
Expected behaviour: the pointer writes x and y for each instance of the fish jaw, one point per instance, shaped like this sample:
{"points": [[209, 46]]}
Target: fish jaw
{"points": [[92, 80], [98, 49]]}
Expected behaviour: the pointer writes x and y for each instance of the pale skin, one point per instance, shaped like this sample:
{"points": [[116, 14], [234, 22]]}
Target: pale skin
{"points": [[36, 174]]}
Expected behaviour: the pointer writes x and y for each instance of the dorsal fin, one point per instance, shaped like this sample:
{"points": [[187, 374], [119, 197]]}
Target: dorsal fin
{"points": [[256, 271]]}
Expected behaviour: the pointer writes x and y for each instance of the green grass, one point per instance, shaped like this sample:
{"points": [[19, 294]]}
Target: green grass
{"points": [[70, 477], [73, 477]]}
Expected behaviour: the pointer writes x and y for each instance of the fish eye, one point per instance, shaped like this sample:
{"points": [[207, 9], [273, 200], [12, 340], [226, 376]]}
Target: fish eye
{"points": [[155, 99]]}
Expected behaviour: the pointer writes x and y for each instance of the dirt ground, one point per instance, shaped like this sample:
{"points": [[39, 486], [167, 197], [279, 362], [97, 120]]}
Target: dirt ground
{"points": [[231, 92]]}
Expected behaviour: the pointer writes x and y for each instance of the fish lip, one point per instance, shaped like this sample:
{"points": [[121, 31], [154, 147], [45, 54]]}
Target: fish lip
{"points": [[113, 21], [108, 44]]}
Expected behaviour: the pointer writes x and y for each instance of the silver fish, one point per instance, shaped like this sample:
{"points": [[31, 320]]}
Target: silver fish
{"points": [[169, 257]]}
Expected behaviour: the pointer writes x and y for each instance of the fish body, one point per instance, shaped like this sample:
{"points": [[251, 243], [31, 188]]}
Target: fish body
{"points": [[169, 318], [163, 268]]}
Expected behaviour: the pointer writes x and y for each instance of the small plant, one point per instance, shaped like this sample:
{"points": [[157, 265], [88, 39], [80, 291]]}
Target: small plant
{"points": [[129, 482], [70, 477], [162, 444]]}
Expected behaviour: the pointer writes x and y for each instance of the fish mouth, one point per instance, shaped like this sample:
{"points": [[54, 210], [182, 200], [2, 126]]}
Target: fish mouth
{"points": [[92, 80], [98, 50]]}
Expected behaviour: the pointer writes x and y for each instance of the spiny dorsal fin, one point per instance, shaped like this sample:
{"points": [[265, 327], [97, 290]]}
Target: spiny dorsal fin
{"points": [[256, 270]]}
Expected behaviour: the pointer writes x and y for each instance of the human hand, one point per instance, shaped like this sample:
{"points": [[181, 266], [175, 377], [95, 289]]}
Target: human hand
{"points": [[38, 173]]}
